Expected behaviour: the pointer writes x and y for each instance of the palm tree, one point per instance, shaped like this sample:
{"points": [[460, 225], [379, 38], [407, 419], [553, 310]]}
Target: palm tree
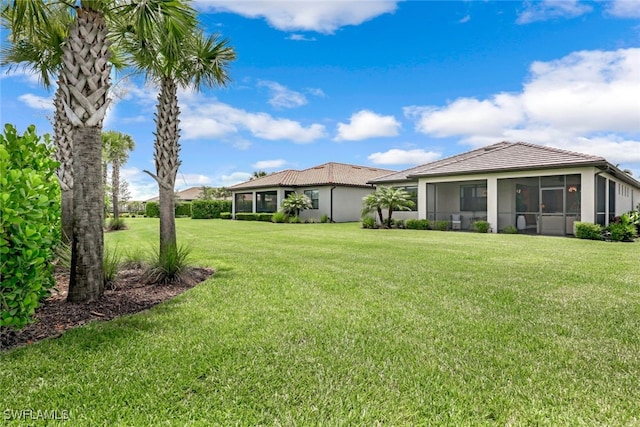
{"points": [[175, 54], [394, 199], [84, 84], [116, 147], [257, 174], [371, 203], [296, 203], [40, 51]]}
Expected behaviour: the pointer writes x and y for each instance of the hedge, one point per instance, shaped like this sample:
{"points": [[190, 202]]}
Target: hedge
{"points": [[207, 209], [152, 210], [29, 223], [587, 230], [183, 209], [245, 216]]}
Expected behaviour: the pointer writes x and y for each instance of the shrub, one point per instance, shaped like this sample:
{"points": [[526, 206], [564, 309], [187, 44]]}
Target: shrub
{"points": [[152, 210], [634, 218], [440, 225], [622, 229], [587, 230], [111, 264], [264, 216], [324, 218], [417, 224], [246, 216], [208, 209], [172, 268], [183, 209], [369, 222], [279, 217], [510, 229], [223, 215], [29, 223], [398, 223], [295, 220], [115, 224], [481, 226]]}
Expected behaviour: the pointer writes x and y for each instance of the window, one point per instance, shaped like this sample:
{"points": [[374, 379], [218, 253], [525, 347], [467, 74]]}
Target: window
{"points": [[244, 202], [413, 195], [267, 201], [314, 196], [473, 198]]}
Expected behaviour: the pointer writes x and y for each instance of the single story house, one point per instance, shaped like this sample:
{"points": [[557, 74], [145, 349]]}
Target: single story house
{"points": [[540, 190], [335, 190]]}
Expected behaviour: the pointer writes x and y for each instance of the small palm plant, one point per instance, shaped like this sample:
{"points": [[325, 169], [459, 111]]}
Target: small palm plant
{"points": [[296, 203]]}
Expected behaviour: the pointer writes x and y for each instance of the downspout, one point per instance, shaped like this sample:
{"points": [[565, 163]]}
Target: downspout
{"points": [[331, 204]]}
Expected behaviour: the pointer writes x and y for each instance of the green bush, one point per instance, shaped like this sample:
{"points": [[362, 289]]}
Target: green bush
{"points": [[208, 209], [417, 224], [152, 210], [264, 216], [510, 229], [622, 229], [440, 225], [183, 209], [115, 224], [587, 230], [224, 215], [279, 217], [369, 222], [481, 226], [324, 218], [295, 220], [29, 223], [172, 268], [246, 216]]}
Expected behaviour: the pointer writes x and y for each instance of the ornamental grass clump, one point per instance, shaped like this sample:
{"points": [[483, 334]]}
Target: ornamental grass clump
{"points": [[170, 266]]}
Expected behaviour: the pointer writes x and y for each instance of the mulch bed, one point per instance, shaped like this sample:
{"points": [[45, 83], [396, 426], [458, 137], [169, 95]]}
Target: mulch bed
{"points": [[127, 295]]}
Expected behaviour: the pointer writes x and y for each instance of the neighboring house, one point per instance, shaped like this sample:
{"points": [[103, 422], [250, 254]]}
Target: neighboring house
{"points": [[335, 190], [188, 195], [538, 189]]}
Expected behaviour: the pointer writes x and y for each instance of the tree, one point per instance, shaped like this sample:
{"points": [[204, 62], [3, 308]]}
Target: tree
{"points": [[84, 83], [296, 203], [394, 199], [257, 174], [116, 147], [175, 53], [391, 198], [371, 203]]}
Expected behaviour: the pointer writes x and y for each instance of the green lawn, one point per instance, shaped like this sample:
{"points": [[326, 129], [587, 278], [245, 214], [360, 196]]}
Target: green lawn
{"points": [[330, 324]]}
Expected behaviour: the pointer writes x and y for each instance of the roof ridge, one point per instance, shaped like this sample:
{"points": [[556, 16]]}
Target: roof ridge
{"points": [[561, 150]]}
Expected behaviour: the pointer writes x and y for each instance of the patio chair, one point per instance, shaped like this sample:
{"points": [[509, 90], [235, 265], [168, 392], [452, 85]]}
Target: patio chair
{"points": [[456, 222]]}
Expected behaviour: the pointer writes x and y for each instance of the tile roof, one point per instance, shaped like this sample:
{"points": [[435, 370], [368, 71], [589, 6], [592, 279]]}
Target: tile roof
{"points": [[326, 174], [189, 194], [503, 156]]}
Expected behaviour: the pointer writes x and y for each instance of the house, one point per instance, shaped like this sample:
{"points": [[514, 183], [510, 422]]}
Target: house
{"points": [[335, 190], [188, 195], [540, 190]]}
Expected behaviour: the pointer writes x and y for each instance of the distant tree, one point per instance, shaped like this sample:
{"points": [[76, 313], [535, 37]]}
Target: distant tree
{"points": [[207, 193], [116, 147], [258, 174], [222, 193]]}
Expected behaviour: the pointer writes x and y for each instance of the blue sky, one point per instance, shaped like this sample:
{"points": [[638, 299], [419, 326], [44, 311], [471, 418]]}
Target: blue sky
{"points": [[389, 84]]}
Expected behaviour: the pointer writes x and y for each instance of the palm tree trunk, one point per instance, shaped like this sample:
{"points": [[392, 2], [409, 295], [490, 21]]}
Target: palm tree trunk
{"points": [[86, 75], [63, 138], [115, 187], [166, 153], [86, 281]]}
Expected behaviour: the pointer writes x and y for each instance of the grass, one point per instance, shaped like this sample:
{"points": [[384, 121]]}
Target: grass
{"points": [[330, 324]]}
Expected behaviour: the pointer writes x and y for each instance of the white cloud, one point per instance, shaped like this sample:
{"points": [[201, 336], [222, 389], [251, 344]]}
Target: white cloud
{"points": [[37, 102], [235, 178], [192, 180], [269, 164], [551, 9], [465, 19], [304, 15], [404, 157], [624, 8], [281, 96], [588, 101], [141, 186], [367, 124], [315, 91], [208, 118], [301, 37]]}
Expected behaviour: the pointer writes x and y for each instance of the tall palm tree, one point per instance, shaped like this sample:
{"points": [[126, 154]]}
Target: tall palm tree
{"points": [[84, 83], [40, 51], [116, 147], [176, 55]]}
